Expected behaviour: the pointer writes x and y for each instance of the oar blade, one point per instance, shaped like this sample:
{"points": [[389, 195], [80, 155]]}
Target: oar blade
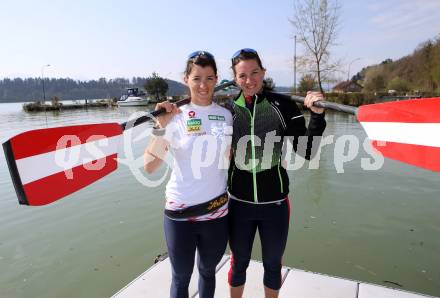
{"points": [[49, 164], [420, 156], [407, 131]]}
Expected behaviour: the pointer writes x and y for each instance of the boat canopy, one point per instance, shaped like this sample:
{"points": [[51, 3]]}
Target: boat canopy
{"points": [[134, 92]]}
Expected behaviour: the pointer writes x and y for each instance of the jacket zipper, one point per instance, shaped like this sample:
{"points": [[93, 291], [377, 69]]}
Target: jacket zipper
{"points": [[254, 170]]}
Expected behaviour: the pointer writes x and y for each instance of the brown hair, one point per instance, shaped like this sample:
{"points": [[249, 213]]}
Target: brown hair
{"points": [[243, 56], [202, 59]]}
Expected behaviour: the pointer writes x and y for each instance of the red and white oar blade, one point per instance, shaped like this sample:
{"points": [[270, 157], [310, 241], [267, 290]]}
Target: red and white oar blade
{"points": [[49, 164], [408, 130]]}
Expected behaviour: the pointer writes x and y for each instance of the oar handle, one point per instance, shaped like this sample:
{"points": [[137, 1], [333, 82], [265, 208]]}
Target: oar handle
{"points": [[181, 102], [328, 105]]}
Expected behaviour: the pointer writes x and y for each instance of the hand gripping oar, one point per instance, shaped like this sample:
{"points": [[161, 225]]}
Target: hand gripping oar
{"points": [[50, 163], [407, 130]]}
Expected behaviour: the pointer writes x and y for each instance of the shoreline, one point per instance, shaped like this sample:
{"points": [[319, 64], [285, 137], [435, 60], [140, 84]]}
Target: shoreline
{"points": [[39, 107]]}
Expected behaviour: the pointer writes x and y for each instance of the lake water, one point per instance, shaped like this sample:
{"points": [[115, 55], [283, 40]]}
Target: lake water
{"points": [[380, 226]]}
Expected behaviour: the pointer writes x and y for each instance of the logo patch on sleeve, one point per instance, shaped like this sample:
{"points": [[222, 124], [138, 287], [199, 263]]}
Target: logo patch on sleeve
{"points": [[216, 117]]}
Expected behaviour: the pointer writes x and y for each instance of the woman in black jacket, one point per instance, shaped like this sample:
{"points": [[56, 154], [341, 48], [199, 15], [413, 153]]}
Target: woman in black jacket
{"points": [[258, 185]]}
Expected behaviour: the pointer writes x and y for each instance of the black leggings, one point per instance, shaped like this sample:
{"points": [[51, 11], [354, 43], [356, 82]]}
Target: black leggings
{"points": [[272, 221], [183, 237]]}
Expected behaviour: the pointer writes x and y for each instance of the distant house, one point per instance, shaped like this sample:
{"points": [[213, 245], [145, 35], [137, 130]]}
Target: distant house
{"points": [[347, 86]]}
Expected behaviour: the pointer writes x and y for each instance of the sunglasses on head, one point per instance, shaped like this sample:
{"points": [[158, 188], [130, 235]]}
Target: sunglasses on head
{"points": [[197, 54], [244, 51]]}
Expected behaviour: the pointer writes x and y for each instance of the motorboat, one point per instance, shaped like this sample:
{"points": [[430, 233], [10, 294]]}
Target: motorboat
{"points": [[134, 97]]}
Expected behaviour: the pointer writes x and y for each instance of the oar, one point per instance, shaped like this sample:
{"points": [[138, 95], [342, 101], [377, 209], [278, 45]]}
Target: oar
{"points": [[407, 130], [50, 163]]}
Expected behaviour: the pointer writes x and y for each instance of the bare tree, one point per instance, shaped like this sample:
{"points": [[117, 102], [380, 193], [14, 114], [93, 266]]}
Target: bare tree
{"points": [[316, 23]]}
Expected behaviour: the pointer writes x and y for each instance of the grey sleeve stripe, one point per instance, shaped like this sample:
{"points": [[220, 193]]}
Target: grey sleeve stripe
{"points": [[279, 115], [296, 117]]}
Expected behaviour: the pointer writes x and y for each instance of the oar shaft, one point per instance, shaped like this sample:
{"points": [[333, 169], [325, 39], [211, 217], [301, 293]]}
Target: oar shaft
{"points": [[328, 105], [182, 102]]}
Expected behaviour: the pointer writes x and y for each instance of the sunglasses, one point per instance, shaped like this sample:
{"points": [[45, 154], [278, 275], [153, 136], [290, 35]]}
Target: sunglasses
{"points": [[197, 54], [245, 51]]}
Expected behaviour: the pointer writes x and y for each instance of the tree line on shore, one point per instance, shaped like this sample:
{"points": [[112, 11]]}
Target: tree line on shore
{"points": [[31, 89], [317, 25], [418, 72]]}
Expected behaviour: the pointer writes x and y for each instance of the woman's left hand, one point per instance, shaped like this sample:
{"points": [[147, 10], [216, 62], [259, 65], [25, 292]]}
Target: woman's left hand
{"points": [[311, 97]]}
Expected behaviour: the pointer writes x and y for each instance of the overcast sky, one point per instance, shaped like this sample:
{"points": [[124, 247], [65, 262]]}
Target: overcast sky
{"points": [[91, 39]]}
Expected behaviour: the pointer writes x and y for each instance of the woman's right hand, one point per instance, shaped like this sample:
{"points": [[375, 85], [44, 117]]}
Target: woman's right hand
{"points": [[171, 110]]}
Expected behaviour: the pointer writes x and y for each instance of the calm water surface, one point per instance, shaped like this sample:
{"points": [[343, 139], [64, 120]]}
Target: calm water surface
{"points": [[377, 226]]}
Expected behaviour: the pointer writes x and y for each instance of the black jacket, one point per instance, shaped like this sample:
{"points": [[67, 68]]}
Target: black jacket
{"points": [[256, 174]]}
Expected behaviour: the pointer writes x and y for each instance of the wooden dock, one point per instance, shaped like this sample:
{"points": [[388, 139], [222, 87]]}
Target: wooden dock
{"points": [[40, 107], [155, 282]]}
